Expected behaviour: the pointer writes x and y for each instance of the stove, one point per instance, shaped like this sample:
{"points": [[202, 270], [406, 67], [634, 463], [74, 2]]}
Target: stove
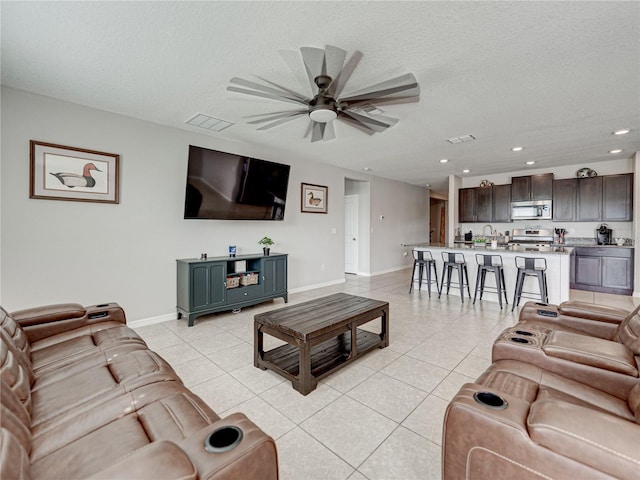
{"points": [[532, 237]]}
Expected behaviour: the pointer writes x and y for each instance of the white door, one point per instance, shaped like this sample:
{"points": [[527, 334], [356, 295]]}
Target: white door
{"points": [[351, 234]]}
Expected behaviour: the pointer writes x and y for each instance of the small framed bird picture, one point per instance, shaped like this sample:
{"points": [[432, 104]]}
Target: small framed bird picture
{"points": [[314, 198], [58, 172]]}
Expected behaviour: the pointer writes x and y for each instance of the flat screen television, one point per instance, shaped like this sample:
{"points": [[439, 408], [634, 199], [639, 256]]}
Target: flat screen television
{"points": [[226, 186]]}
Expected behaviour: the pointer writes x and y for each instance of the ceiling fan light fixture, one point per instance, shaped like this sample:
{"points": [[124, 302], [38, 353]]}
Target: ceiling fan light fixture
{"points": [[323, 114]]}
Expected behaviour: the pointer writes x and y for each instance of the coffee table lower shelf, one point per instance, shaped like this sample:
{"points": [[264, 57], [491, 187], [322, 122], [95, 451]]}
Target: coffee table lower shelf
{"points": [[326, 357]]}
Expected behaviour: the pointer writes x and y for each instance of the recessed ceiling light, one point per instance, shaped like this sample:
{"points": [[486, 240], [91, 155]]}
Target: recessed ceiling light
{"points": [[517, 149], [530, 162], [366, 169], [466, 170], [622, 132], [444, 160], [428, 185], [615, 151]]}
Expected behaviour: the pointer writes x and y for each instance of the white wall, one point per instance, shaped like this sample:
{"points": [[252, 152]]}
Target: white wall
{"points": [[58, 251]]}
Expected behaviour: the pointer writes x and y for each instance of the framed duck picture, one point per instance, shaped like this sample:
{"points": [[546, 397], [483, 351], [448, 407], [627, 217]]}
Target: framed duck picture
{"points": [[58, 172], [314, 198]]}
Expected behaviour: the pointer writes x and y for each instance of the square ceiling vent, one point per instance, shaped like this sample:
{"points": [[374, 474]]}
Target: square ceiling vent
{"points": [[203, 120], [461, 139]]}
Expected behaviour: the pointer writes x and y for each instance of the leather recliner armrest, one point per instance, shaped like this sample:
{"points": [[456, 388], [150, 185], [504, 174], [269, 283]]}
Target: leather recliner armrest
{"points": [[48, 313], [594, 352], [48, 320], [604, 442], [254, 458], [162, 459]]}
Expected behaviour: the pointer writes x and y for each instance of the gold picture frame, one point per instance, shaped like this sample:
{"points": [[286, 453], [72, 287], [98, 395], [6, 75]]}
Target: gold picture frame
{"points": [[58, 172]]}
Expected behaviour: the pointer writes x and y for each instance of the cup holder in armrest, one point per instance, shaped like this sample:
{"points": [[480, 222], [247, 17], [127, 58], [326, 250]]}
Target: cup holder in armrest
{"points": [[520, 340], [223, 439], [490, 400], [524, 333]]}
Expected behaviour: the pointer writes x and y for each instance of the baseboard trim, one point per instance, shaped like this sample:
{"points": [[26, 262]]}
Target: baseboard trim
{"points": [[390, 270], [317, 285], [145, 322]]}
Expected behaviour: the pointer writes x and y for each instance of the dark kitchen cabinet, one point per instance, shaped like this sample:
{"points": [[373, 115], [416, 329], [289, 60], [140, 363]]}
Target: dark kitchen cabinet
{"points": [[532, 187], [589, 199], [617, 197], [602, 269], [564, 199], [501, 203], [475, 204]]}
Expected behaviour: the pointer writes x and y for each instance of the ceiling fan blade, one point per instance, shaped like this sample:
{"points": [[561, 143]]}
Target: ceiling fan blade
{"points": [[357, 124], [313, 59], [282, 98], [281, 121], [378, 124], [329, 131], [293, 93], [316, 131], [263, 88], [336, 87], [292, 59], [334, 60], [267, 117], [405, 84]]}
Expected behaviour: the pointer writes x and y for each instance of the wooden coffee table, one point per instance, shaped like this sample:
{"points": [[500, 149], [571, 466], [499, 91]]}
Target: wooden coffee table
{"points": [[321, 335]]}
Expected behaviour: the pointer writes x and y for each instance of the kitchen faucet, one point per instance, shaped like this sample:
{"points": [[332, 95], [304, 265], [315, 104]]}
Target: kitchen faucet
{"points": [[485, 228]]}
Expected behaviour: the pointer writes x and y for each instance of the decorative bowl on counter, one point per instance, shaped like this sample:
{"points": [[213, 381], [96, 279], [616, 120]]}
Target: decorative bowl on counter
{"points": [[619, 241]]}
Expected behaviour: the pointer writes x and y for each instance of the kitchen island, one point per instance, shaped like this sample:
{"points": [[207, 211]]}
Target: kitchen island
{"points": [[558, 268]]}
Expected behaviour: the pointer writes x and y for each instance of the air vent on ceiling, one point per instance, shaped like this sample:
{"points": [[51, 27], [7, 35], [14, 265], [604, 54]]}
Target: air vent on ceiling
{"points": [[203, 120], [461, 139]]}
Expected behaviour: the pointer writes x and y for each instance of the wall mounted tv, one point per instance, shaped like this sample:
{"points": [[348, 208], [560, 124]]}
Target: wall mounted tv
{"points": [[227, 186]]}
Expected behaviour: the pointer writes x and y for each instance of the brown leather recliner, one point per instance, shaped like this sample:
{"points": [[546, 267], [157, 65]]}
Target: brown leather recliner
{"points": [[520, 421], [611, 364], [83, 397]]}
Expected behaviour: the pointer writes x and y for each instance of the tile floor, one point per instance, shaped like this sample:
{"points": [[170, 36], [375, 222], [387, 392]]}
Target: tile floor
{"points": [[380, 417]]}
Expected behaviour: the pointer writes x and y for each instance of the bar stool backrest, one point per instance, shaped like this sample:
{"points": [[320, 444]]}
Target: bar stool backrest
{"points": [[422, 255], [531, 263], [453, 257], [489, 260]]}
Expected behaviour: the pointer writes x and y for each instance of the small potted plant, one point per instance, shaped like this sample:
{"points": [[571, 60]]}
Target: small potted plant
{"points": [[266, 242]]}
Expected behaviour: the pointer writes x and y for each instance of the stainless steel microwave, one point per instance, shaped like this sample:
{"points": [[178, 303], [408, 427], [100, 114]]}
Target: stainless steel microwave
{"points": [[531, 210]]}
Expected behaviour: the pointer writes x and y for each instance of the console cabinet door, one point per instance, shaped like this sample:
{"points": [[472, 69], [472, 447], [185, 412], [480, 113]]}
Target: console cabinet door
{"points": [[274, 275], [501, 203], [484, 204], [564, 199], [207, 285], [542, 186], [616, 272], [466, 205], [588, 270], [589, 199], [617, 197]]}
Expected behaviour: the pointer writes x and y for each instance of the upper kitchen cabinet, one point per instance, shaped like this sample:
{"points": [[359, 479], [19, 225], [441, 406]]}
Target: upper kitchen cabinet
{"points": [[589, 199], [475, 204], [532, 187], [501, 203], [617, 197], [564, 199]]}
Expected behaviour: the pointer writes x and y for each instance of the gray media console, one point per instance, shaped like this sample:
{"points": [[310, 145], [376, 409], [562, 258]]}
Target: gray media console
{"points": [[217, 284]]}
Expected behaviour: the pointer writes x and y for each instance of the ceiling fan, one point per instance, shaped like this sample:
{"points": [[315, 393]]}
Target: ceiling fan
{"points": [[328, 74]]}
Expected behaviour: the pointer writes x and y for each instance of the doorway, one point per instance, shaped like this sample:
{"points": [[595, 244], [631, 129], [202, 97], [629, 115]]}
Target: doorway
{"points": [[357, 225], [351, 234], [437, 220]]}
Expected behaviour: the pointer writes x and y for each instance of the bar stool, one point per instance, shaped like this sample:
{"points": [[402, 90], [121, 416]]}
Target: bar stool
{"points": [[490, 263], [534, 267], [457, 261], [422, 259]]}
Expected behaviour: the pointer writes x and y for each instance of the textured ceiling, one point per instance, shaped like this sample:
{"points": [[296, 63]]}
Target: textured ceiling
{"points": [[554, 77]]}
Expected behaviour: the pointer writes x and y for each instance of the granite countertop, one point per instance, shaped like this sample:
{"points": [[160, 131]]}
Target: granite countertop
{"points": [[552, 250]]}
